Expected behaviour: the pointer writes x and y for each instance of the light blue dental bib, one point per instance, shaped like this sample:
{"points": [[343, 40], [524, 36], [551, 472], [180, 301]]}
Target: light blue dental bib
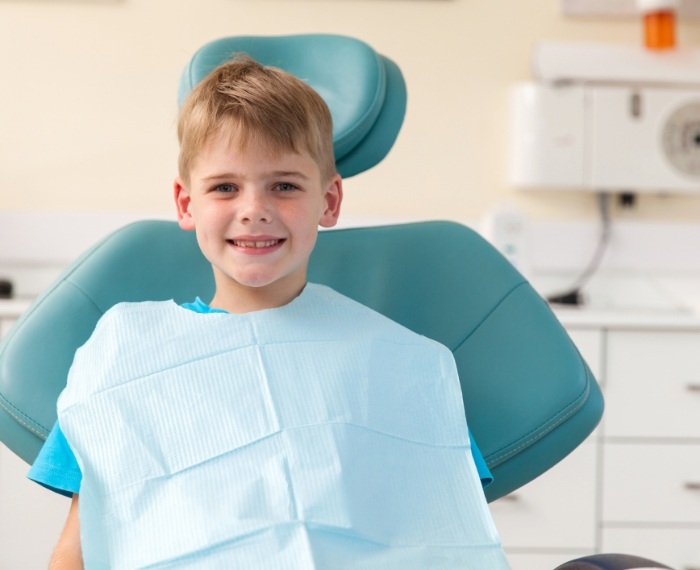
{"points": [[319, 435]]}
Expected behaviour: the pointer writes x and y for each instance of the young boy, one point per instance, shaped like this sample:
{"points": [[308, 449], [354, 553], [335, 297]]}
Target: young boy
{"points": [[282, 425]]}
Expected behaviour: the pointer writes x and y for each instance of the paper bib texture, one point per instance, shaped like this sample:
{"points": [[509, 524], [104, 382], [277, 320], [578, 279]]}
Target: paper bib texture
{"points": [[319, 435]]}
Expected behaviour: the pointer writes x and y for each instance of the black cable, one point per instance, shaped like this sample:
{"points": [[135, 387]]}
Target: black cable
{"points": [[573, 295]]}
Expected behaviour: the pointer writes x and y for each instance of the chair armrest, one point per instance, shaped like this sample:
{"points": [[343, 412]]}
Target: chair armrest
{"points": [[611, 562]]}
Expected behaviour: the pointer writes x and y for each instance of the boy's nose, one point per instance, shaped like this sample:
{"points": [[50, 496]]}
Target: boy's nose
{"points": [[254, 207]]}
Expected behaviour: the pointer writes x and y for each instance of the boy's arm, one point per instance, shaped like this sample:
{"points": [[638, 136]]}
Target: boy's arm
{"points": [[67, 555]]}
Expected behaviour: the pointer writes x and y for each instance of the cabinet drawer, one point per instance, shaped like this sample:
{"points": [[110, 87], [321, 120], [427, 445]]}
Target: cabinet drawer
{"points": [[652, 386], [650, 483], [677, 548], [556, 510]]}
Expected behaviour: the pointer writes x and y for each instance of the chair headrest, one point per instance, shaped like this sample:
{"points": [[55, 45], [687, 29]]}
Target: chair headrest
{"points": [[364, 90]]}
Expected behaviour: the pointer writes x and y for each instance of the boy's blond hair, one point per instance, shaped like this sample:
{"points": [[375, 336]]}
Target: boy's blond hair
{"points": [[246, 100]]}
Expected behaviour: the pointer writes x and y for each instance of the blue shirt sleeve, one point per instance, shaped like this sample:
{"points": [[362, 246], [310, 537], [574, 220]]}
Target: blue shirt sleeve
{"points": [[56, 467], [481, 468]]}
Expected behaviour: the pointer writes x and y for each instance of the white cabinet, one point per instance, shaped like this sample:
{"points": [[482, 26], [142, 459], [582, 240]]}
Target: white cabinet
{"points": [[31, 518], [634, 485], [651, 459]]}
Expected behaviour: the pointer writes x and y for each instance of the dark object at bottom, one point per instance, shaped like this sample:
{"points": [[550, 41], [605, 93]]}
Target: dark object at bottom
{"points": [[610, 562]]}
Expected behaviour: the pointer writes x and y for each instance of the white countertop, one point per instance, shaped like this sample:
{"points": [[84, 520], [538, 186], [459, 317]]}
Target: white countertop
{"points": [[635, 319], [13, 308], [631, 300]]}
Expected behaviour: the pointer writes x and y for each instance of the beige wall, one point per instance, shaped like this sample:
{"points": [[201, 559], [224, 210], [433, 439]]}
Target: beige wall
{"points": [[88, 99]]}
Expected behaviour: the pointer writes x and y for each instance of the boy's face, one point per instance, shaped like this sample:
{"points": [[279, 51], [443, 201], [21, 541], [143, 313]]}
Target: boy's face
{"points": [[256, 216]]}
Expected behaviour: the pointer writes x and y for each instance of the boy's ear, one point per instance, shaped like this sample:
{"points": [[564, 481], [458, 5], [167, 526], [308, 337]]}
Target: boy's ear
{"points": [[333, 199], [182, 203]]}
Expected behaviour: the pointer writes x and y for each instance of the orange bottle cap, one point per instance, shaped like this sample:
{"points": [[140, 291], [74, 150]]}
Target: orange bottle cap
{"points": [[660, 29]]}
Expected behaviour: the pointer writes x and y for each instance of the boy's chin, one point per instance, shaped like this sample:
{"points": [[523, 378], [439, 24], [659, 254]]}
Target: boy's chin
{"points": [[263, 284]]}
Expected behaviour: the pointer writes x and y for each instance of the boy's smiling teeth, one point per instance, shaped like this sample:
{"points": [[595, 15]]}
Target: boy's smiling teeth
{"points": [[255, 244]]}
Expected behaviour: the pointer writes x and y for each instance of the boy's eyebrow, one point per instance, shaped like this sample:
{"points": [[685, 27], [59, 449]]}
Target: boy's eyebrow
{"points": [[285, 173], [274, 174]]}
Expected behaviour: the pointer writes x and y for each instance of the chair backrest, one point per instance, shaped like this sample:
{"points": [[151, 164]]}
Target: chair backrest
{"points": [[530, 397]]}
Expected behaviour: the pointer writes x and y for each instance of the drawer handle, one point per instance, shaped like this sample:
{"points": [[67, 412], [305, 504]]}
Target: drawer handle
{"points": [[693, 388], [692, 486]]}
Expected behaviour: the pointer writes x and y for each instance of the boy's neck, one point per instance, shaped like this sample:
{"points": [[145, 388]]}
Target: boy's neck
{"points": [[247, 300]]}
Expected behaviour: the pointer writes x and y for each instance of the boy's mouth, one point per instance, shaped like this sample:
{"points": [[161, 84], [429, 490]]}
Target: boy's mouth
{"points": [[255, 244]]}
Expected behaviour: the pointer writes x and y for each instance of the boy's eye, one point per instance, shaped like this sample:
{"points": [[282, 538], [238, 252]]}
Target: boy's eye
{"points": [[285, 187], [225, 188]]}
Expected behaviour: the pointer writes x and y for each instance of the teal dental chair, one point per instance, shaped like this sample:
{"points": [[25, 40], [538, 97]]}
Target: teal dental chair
{"points": [[530, 397]]}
